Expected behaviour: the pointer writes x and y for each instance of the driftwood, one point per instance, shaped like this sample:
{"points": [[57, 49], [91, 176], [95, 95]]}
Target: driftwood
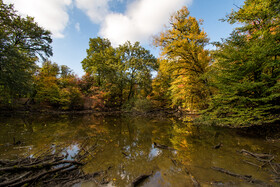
{"points": [[266, 160], [163, 147], [140, 179], [257, 155], [253, 164], [247, 178], [47, 169], [15, 180], [39, 165], [38, 176]]}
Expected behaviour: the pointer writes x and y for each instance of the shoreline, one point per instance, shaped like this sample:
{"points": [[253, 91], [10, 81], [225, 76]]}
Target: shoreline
{"points": [[156, 113]]}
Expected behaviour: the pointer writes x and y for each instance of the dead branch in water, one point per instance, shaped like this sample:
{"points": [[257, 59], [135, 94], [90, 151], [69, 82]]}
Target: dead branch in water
{"points": [[39, 165], [257, 155], [49, 169], [247, 178], [266, 159], [194, 181]]}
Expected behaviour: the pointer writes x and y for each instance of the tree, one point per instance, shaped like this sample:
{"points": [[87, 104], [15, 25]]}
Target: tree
{"points": [[246, 69], [121, 72], [21, 40], [161, 94], [182, 45], [57, 87], [99, 60], [138, 64]]}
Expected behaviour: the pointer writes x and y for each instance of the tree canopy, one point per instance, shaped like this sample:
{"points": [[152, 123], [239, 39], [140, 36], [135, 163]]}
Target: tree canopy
{"points": [[246, 69], [182, 45], [21, 42], [124, 72], [236, 84]]}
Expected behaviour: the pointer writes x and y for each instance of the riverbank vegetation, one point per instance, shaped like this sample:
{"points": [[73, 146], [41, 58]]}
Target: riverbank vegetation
{"points": [[236, 84]]}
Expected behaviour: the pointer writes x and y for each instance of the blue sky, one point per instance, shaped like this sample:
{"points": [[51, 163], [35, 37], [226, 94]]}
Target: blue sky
{"points": [[73, 22]]}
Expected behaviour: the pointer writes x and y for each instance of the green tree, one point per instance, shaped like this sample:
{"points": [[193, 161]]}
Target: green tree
{"points": [[103, 66], [247, 66], [138, 64], [21, 41], [182, 45], [119, 72], [99, 60]]}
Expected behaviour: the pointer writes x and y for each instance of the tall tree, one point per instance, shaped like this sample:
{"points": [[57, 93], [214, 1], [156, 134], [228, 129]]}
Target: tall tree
{"points": [[21, 41], [183, 46], [247, 68]]}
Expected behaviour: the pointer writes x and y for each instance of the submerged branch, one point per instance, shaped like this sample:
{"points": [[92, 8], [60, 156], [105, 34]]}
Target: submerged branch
{"points": [[247, 178], [194, 181], [257, 155], [48, 169]]}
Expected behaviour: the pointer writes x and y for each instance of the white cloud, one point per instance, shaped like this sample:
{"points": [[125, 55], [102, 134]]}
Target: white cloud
{"points": [[95, 9], [77, 27], [142, 19], [50, 14]]}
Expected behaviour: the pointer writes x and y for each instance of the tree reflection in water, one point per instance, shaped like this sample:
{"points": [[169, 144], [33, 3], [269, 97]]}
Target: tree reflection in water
{"points": [[125, 145]]}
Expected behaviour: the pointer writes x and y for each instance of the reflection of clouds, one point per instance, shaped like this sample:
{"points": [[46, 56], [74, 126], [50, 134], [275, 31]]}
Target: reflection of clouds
{"points": [[157, 180], [127, 148], [72, 150], [154, 152]]}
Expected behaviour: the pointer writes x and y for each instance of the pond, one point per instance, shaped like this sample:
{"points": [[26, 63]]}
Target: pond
{"points": [[125, 145]]}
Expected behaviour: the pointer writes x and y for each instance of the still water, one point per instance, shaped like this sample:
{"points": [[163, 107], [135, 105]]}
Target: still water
{"points": [[126, 146]]}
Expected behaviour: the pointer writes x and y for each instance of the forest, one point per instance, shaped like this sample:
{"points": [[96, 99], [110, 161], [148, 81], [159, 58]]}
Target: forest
{"points": [[237, 84]]}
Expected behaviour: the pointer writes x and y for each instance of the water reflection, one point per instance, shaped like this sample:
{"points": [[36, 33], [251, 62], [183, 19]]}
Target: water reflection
{"points": [[125, 145]]}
